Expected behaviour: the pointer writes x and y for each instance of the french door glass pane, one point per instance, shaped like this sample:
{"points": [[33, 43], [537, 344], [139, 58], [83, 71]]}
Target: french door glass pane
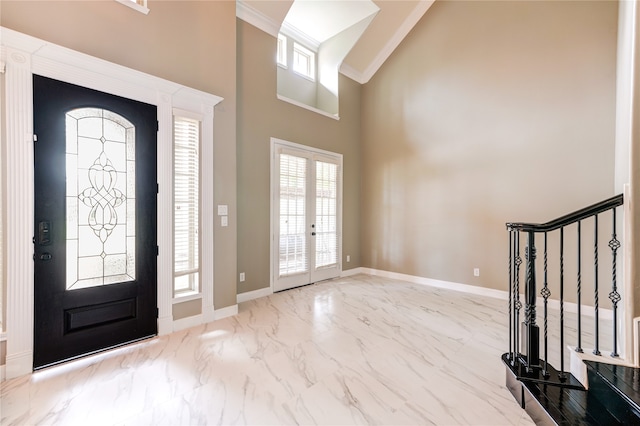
{"points": [[293, 243], [326, 214], [100, 198]]}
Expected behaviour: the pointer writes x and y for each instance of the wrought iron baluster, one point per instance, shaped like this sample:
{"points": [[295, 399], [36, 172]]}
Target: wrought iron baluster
{"points": [[518, 304], [545, 292], [614, 296], [579, 289], [533, 333], [596, 350], [511, 351], [562, 374]]}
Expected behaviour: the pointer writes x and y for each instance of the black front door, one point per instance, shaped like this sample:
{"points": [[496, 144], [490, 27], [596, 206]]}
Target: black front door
{"points": [[95, 221]]}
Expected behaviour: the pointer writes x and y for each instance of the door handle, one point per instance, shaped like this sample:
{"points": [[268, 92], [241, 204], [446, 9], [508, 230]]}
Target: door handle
{"points": [[313, 233], [45, 256]]}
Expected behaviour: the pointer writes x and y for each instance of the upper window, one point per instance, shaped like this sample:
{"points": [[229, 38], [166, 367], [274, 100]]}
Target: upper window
{"points": [[304, 61], [282, 50]]}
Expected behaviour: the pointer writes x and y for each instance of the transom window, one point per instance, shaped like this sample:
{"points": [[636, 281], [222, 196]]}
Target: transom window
{"points": [[304, 61], [282, 50]]}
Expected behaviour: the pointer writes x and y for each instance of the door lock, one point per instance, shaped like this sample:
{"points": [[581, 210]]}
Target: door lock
{"points": [[45, 256], [44, 233]]}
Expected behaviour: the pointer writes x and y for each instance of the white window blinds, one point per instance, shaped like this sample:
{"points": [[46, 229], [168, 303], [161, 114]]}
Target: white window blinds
{"points": [[292, 195], [186, 190]]}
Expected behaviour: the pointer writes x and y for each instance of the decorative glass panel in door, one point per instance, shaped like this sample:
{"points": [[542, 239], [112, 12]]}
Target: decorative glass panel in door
{"points": [[100, 155]]}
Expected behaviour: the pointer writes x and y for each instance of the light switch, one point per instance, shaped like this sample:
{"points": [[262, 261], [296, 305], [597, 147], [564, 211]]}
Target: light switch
{"points": [[223, 210], [224, 221]]}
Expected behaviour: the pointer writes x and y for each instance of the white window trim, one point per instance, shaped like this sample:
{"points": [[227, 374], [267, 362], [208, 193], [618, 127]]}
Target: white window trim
{"points": [[142, 8], [308, 107], [282, 52], [24, 56], [301, 50]]}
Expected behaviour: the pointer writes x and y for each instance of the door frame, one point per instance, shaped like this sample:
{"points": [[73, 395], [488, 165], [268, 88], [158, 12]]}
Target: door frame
{"points": [[273, 186], [22, 56]]}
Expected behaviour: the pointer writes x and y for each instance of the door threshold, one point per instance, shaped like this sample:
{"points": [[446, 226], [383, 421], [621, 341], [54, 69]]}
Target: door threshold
{"points": [[97, 352]]}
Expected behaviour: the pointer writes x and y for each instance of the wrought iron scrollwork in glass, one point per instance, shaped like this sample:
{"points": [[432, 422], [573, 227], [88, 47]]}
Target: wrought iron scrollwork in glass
{"points": [[100, 195]]}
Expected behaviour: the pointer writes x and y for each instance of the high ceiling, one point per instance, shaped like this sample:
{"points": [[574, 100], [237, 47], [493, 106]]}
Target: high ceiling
{"points": [[391, 24], [322, 20]]}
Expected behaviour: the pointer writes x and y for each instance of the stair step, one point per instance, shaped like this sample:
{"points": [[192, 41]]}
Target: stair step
{"points": [[618, 388], [573, 407], [565, 404]]}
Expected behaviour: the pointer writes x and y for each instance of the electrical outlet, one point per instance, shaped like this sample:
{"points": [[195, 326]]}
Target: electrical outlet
{"points": [[476, 272], [241, 277], [348, 258]]}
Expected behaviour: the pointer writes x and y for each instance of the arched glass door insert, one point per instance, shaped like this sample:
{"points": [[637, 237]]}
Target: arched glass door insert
{"points": [[100, 197]]}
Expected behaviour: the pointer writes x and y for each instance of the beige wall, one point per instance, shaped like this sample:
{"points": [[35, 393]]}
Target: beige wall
{"points": [[262, 116], [296, 87], [192, 43], [488, 112]]}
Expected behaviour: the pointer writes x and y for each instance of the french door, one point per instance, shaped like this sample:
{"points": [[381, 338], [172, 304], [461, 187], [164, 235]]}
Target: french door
{"points": [[307, 215], [95, 221]]}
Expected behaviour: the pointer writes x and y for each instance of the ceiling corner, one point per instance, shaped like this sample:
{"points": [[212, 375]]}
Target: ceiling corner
{"points": [[391, 45], [352, 73], [256, 18]]}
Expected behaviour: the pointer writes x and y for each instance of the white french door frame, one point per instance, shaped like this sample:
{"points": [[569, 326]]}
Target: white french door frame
{"points": [[22, 56], [313, 274]]}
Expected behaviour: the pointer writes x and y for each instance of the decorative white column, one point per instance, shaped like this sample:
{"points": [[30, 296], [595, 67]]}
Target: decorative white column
{"points": [[165, 214], [19, 211], [209, 215]]}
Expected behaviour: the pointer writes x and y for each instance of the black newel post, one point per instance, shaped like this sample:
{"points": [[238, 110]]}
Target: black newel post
{"points": [[530, 328]]}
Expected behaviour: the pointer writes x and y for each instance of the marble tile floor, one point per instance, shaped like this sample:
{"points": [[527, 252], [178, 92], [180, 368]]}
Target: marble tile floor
{"points": [[357, 350]]}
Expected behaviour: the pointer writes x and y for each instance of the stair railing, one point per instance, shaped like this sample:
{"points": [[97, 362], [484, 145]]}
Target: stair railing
{"points": [[525, 340]]}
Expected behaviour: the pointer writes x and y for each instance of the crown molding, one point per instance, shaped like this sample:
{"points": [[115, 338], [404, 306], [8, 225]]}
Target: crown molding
{"points": [[352, 73], [402, 31], [256, 18], [301, 37]]}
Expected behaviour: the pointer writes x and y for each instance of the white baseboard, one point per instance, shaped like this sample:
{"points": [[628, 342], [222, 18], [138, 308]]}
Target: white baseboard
{"points": [[465, 288], [572, 308], [351, 272], [229, 311], [208, 314], [255, 294], [569, 307], [18, 364], [188, 322], [165, 325]]}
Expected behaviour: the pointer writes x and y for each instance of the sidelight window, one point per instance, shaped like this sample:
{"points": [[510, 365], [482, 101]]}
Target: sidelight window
{"points": [[186, 190]]}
